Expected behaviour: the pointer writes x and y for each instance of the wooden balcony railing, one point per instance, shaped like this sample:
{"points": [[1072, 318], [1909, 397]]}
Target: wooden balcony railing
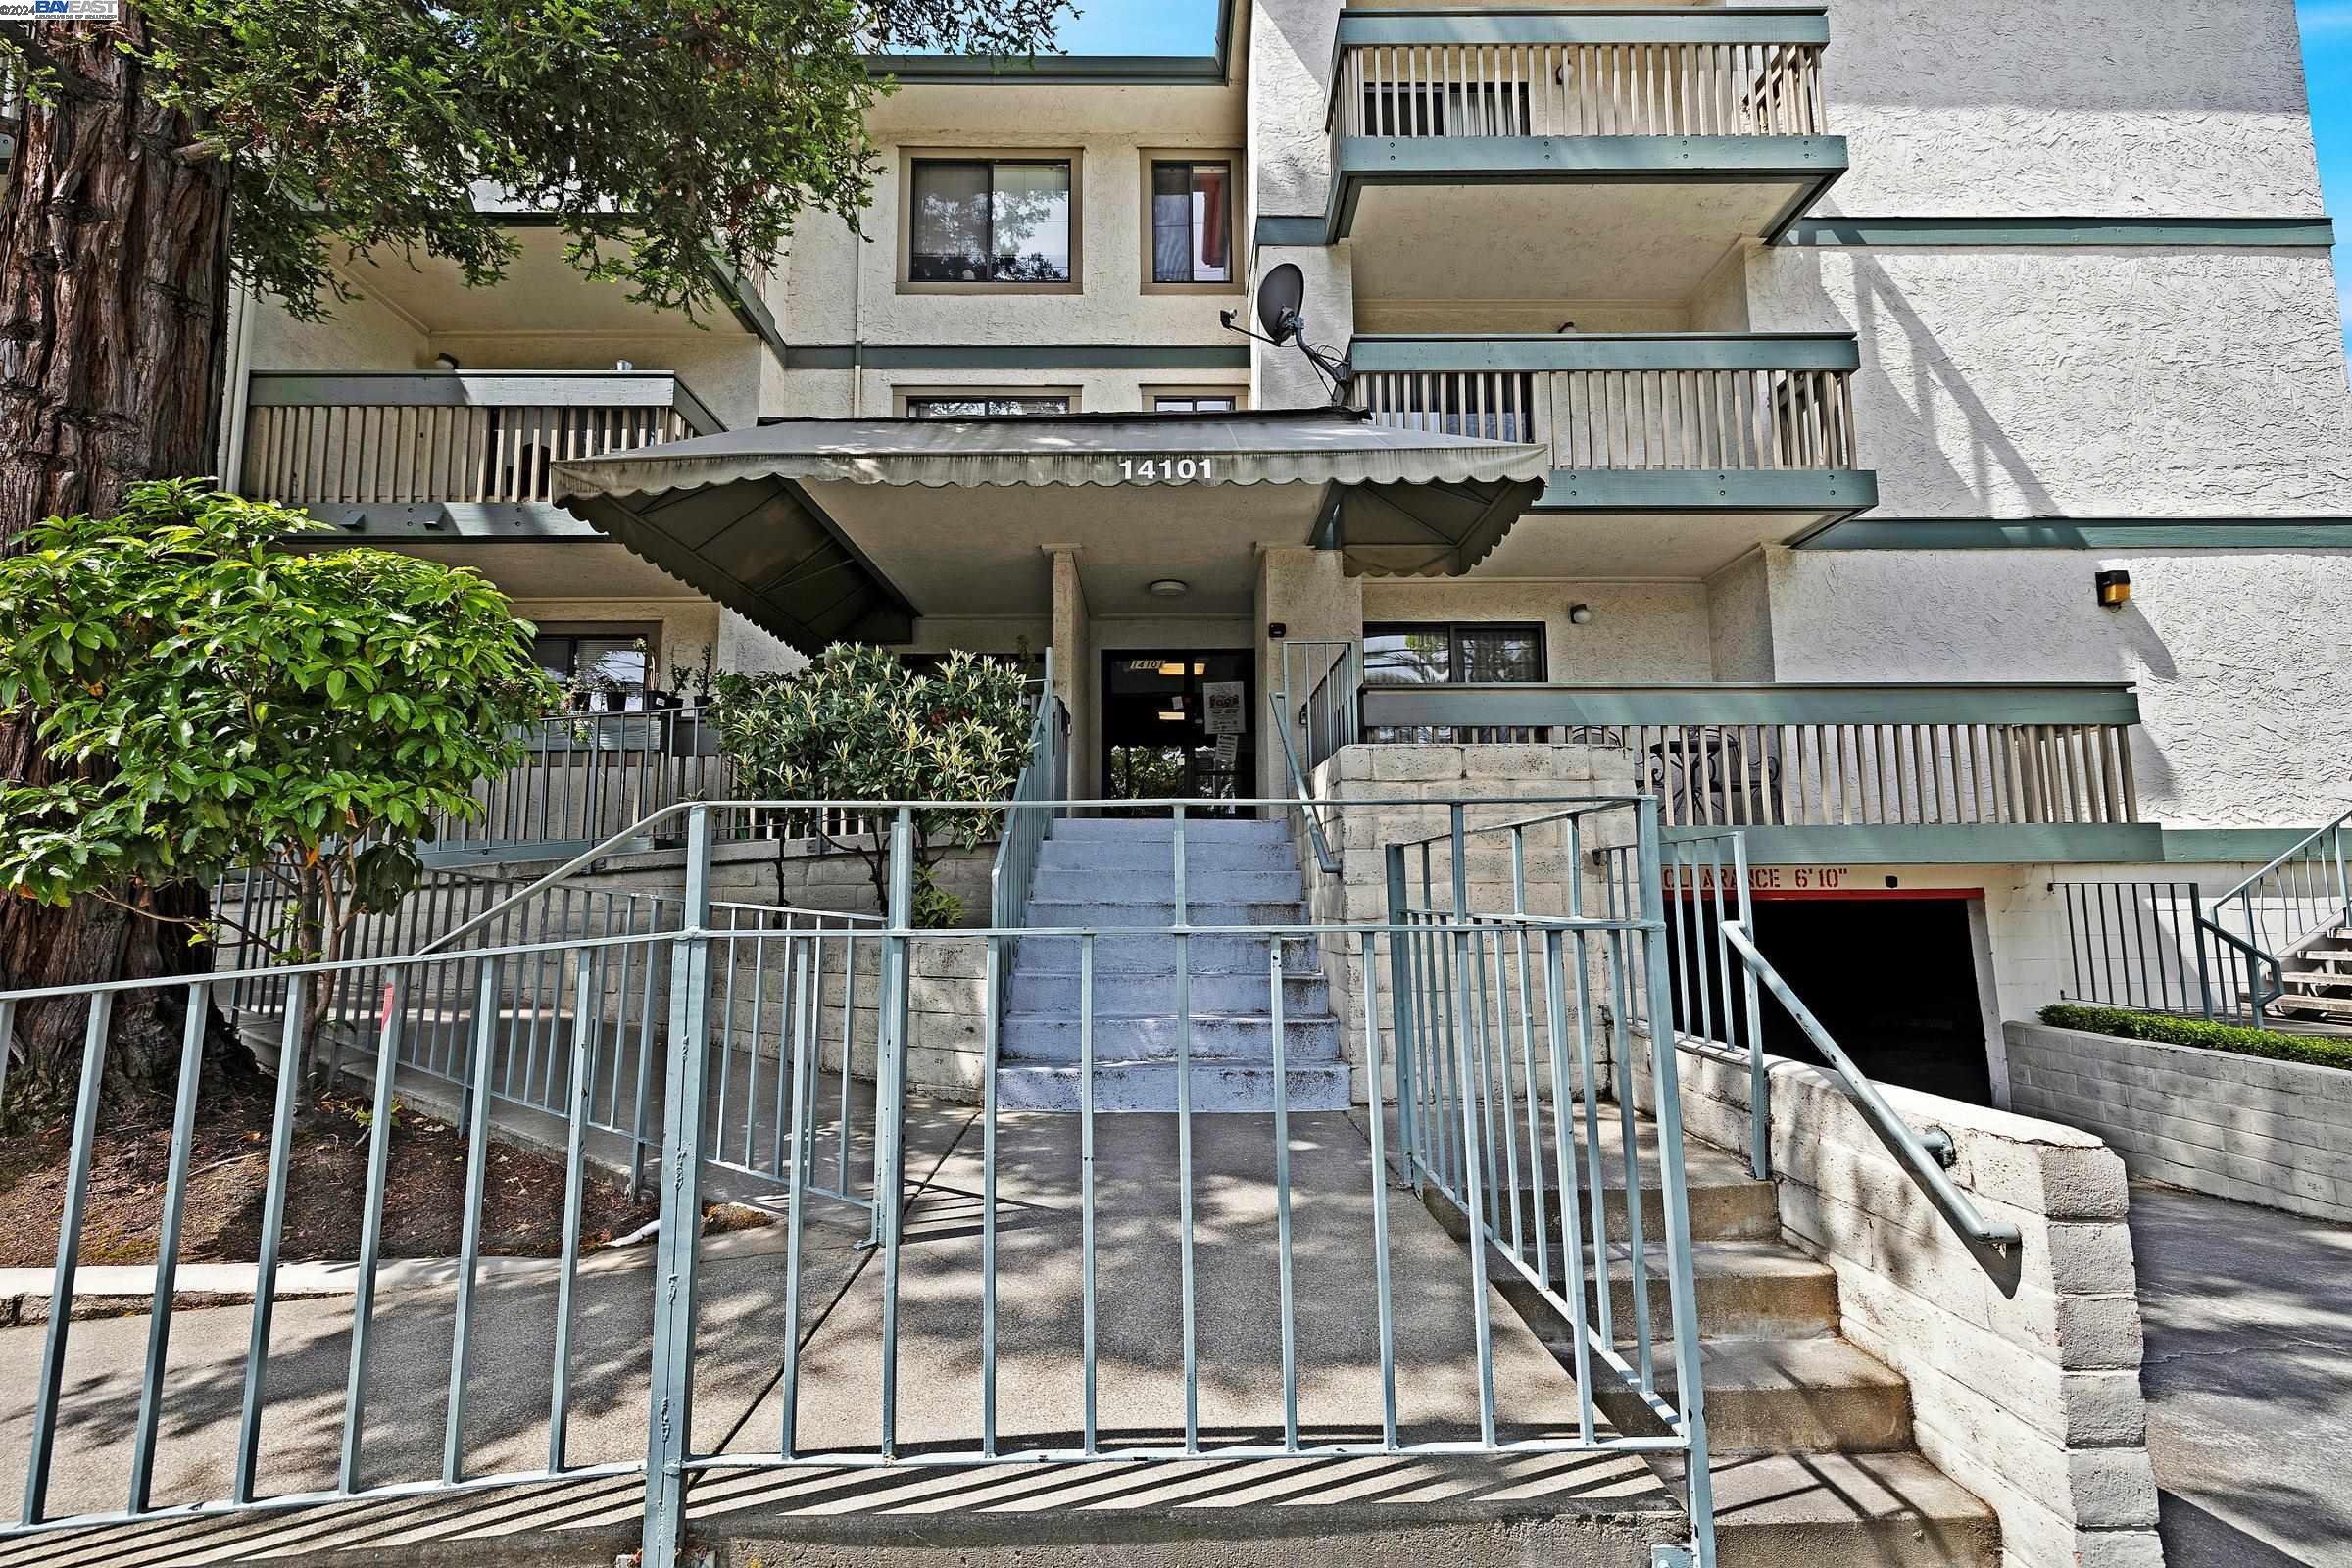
{"points": [[1625, 401], [1656, 72], [450, 436], [1791, 754]]}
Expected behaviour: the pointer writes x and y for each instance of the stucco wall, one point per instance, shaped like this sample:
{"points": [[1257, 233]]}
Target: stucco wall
{"points": [[1740, 619], [2082, 382], [2228, 649], [1973, 107], [1638, 630]]}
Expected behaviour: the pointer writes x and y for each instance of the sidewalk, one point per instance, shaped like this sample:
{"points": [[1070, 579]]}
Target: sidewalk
{"points": [[2248, 1378]]}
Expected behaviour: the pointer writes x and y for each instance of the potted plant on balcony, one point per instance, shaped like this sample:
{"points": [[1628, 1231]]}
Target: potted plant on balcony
{"points": [[656, 698]]}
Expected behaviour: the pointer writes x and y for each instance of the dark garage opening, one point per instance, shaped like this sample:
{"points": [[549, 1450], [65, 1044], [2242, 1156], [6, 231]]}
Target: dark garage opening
{"points": [[1893, 981]]}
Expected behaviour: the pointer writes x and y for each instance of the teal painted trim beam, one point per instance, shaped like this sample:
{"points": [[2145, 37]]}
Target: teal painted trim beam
{"points": [[1018, 357], [2084, 534], [1290, 228], [2230, 846], [1837, 492], [1610, 350], [1949, 843], [1789, 24], [1069, 71], [1810, 165], [1752, 702], [2272, 232]]}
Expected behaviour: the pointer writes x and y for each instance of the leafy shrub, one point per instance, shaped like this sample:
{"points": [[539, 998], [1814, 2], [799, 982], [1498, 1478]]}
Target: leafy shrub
{"points": [[2166, 1029], [858, 724], [207, 698]]}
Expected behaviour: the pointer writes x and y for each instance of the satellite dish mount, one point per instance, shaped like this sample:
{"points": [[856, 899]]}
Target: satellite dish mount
{"points": [[1282, 322]]}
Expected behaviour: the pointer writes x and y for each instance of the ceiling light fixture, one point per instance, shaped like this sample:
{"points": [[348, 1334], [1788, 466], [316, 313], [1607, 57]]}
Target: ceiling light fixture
{"points": [[1168, 588]]}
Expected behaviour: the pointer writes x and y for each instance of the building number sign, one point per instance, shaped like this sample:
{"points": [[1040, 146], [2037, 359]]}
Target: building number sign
{"points": [[1167, 470]]}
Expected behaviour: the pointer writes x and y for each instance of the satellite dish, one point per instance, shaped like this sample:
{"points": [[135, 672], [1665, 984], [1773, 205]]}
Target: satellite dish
{"points": [[1279, 297]]}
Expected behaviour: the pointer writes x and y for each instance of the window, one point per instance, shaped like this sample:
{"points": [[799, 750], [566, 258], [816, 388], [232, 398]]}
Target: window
{"points": [[990, 220], [981, 405], [1441, 655], [1192, 222], [1194, 403], [615, 661]]}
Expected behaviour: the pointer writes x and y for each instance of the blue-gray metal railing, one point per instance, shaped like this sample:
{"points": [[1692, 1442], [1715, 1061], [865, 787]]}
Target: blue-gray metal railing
{"points": [[2303, 895], [531, 1070], [1023, 841], [1924, 1154], [1578, 977], [2141, 944], [1327, 720], [1504, 1030], [584, 777]]}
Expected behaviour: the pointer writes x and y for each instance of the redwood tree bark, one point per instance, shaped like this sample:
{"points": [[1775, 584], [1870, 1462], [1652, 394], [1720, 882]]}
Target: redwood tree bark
{"points": [[114, 306]]}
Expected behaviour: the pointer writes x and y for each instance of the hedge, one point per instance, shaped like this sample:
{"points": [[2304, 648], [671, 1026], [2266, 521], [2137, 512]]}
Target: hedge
{"points": [[2165, 1029]]}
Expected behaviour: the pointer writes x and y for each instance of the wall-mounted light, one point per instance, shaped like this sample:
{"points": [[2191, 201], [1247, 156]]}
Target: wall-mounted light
{"points": [[2115, 588], [1168, 588], [1580, 615]]}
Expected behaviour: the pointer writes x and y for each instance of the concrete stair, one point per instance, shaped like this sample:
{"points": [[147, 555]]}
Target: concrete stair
{"points": [[1810, 1437], [1118, 876], [2317, 980]]}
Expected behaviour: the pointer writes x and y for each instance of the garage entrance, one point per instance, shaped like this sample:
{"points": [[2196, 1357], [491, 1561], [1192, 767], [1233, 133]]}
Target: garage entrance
{"points": [[1893, 976]]}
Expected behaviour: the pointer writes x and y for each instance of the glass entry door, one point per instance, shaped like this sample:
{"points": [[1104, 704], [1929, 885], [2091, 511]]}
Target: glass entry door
{"points": [[1179, 724]]}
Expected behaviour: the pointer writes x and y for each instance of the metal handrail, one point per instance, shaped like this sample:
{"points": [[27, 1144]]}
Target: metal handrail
{"points": [[1012, 876], [2259, 957], [1306, 801], [1916, 1150]]}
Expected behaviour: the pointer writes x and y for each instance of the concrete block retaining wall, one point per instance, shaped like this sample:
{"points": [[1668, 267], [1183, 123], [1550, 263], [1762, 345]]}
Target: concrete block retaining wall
{"points": [[2273, 1133], [2029, 1397]]}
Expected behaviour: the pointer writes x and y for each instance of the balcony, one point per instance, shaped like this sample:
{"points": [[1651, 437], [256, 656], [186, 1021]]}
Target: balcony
{"points": [[1673, 453], [1475, 153], [455, 455], [1893, 774]]}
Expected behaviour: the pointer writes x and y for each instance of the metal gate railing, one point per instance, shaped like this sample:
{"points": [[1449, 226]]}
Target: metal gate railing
{"points": [[955, 1239]]}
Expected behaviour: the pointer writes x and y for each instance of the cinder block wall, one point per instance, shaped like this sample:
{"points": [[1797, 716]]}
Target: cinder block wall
{"points": [[2275, 1133], [2027, 1395]]}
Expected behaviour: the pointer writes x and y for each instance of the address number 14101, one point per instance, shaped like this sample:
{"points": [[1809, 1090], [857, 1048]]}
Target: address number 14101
{"points": [[1167, 470]]}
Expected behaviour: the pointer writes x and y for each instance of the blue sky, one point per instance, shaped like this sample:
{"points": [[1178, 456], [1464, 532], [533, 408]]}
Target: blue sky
{"points": [[2328, 68]]}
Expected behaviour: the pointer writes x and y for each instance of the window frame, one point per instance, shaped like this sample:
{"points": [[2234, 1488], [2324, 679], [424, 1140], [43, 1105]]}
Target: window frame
{"points": [[621, 632], [1453, 645], [908, 157], [901, 396], [1150, 158], [1150, 393]]}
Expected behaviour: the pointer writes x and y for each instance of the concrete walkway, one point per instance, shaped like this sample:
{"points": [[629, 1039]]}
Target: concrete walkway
{"points": [[737, 1410], [2248, 1378]]}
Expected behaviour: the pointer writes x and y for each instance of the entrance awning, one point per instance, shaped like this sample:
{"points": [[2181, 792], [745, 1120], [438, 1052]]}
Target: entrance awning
{"points": [[790, 524]]}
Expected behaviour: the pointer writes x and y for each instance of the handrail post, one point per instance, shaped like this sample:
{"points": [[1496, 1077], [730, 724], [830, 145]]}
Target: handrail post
{"points": [[1401, 993], [889, 1094], [1666, 1085], [670, 1431]]}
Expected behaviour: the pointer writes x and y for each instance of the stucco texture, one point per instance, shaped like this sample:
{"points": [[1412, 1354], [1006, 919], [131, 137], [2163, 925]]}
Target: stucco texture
{"points": [[2238, 655], [2190, 107], [2083, 382]]}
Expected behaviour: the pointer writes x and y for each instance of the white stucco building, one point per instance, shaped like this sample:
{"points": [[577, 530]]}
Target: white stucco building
{"points": [[1857, 342]]}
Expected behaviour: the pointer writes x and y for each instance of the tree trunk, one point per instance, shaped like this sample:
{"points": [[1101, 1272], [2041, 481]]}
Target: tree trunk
{"points": [[114, 307]]}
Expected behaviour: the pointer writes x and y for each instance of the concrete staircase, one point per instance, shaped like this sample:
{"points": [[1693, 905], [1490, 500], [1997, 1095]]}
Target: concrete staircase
{"points": [[2317, 980], [1810, 1437], [1118, 875]]}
